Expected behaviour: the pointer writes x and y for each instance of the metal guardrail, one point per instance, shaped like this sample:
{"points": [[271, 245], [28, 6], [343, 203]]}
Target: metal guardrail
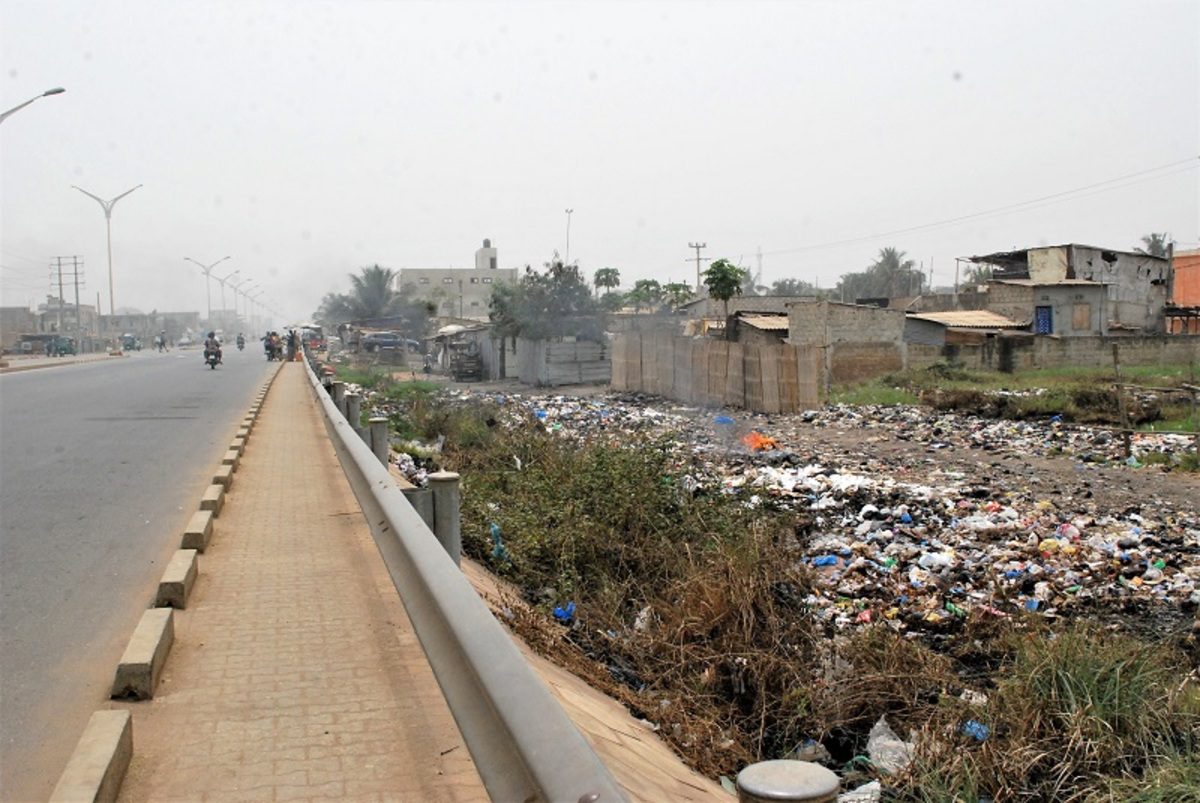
{"points": [[523, 745]]}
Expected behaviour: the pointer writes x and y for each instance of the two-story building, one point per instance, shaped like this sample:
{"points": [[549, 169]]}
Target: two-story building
{"points": [[458, 292]]}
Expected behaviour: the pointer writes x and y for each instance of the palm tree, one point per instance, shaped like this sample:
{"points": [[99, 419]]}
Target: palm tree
{"points": [[608, 278], [893, 272], [1155, 245], [646, 291]]}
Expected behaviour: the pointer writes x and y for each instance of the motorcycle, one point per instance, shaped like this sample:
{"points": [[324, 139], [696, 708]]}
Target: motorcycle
{"points": [[241, 344], [269, 348], [212, 357]]}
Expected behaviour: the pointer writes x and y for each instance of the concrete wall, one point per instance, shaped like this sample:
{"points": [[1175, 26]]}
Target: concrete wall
{"points": [[924, 332], [1137, 284], [1077, 310], [711, 308], [1024, 352], [821, 323], [1048, 264], [14, 322], [1013, 301], [1186, 288]]}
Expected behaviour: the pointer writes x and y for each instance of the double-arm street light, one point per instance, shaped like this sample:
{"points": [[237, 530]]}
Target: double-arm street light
{"points": [[107, 206], [237, 286], [58, 90], [207, 270], [221, 280]]}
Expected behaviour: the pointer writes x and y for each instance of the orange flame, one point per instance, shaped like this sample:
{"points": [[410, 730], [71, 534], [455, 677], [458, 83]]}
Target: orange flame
{"points": [[759, 442]]}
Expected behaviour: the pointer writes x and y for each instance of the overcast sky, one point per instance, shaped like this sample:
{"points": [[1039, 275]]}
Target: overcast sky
{"points": [[307, 139]]}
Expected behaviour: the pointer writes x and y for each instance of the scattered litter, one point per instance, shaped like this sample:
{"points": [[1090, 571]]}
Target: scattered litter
{"points": [[886, 750], [867, 793], [976, 730]]}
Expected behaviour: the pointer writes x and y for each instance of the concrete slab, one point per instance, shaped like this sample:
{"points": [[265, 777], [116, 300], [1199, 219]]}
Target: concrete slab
{"points": [[142, 663], [213, 499], [231, 459], [198, 532], [243, 433], [224, 476], [177, 580], [98, 764], [237, 445]]}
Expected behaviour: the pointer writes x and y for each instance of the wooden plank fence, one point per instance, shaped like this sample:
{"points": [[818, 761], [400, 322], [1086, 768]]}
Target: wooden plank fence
{"points": [[714, 373]]}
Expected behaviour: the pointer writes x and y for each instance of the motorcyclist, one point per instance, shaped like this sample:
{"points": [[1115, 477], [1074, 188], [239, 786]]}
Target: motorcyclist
{"points": [[241, 341], [161, 340], [212, 344]]}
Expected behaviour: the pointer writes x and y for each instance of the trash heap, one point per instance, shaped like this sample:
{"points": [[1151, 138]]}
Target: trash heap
{"points": [[915, 544]]}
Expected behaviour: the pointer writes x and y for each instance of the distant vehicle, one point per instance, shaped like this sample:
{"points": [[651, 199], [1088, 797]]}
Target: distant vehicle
{"points": [[130, 342], [186, 340], [62, 346], [313, 338], [381, 341]]}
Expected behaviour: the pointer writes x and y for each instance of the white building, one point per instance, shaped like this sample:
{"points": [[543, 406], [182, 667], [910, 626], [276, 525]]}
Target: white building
{"points": [[458, 292]]}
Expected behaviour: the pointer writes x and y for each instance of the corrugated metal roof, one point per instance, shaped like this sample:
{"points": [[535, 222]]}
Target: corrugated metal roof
{"points": [[970, 319], [768, 323]]}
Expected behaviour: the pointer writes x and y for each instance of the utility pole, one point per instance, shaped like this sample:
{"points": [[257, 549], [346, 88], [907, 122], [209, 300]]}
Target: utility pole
{"points": [[78, 317], [758, 277], [59, 260], [699, 259]]}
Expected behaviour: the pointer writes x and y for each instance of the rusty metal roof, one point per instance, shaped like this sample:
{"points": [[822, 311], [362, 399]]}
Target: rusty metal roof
{"points": [[969, 319], [768, 323]]}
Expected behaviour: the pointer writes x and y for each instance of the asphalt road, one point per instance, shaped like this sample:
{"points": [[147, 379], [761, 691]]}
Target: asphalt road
{"points": [[101, 464]]}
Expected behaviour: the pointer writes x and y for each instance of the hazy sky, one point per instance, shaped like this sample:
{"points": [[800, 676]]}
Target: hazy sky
{"points": [[307, 139]]}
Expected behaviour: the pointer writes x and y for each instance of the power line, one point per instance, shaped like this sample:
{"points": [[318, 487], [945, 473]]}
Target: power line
{"points": [[1130, 179]]}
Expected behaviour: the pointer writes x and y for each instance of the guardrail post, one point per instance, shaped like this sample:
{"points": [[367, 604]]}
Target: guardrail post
{"points": [[787, 781], [422, 501], [445, 512], [354, 412], [339, 396], [379, 439]]}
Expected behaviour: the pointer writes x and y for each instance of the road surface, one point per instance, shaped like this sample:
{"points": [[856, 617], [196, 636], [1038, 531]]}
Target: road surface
{"points": [[101, 464]]}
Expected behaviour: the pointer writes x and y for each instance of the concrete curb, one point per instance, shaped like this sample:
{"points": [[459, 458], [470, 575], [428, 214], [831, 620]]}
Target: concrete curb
{"points": [[198, 532], [224, 476], [213, 499], [141, 665], [178, 578], [97, 767], [12, 369]]}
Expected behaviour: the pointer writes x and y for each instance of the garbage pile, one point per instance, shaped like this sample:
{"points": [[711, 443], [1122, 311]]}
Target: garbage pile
{"points": [[915, 543]]}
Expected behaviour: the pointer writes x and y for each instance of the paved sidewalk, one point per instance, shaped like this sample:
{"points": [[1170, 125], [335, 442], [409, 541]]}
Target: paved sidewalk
{"points": [[295, 672]]}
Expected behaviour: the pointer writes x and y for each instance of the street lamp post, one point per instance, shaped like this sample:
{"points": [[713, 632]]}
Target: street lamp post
{"points": [[221, 281], [567, 255], [207, 270], [107, 206], [58, 90], [236, 287]]}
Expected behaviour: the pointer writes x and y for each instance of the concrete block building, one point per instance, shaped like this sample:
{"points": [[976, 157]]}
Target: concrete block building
{"points": [[458, 292]]}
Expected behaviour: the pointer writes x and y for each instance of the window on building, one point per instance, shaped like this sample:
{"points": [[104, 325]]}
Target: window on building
{"points": [[447, 280], [474, 280], [492, 263], [423, 280], [1081, 317], [486, 281], [474, 303]]}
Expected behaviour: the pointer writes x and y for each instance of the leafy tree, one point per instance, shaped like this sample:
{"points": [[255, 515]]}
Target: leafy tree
{"points": [[612, 302], [677, 293], [550, 303], [646, 292], [750, 285], [1155, 245], [608, 278], [724, 281]]}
